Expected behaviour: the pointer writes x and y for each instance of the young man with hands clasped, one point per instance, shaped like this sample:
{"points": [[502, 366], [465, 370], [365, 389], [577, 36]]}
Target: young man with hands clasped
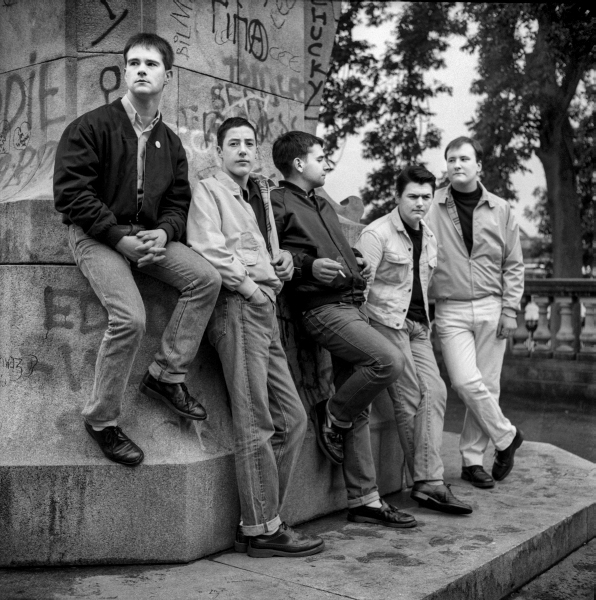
{"points": [[230, 223], [328, 288], [402, 254], [121, 184]]}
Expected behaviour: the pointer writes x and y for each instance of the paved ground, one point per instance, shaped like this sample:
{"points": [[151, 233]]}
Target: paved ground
{"points": [[517, 529]]}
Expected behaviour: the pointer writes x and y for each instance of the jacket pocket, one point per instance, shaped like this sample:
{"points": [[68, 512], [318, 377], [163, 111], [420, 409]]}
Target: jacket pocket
{"points": [[249, 249], [393, 268]]}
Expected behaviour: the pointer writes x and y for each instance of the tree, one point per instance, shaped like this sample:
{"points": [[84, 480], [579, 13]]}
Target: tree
{"points": [[532, 59]]}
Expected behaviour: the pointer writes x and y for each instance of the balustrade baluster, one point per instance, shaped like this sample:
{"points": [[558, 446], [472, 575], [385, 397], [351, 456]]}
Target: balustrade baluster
{"points": [[520, 335], [587, 337], [542, 336], [564, 338]]}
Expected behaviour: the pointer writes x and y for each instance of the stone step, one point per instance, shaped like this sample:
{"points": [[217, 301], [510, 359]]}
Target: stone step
{"points": [[543, 511]]}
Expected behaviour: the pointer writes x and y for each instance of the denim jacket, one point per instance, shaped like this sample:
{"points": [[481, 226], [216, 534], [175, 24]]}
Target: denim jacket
{"points": [[222, 228], [389, 250]]}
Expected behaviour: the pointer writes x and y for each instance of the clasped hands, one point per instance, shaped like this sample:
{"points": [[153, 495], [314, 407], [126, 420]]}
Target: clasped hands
{"points": [[145, 248]]}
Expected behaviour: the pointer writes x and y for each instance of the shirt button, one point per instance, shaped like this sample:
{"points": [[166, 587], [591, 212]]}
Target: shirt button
{"points": [[404, 310], [410, 290]]}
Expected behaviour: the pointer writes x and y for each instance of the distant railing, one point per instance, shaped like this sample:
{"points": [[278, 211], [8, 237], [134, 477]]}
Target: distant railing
{"points": [[560, 331]]}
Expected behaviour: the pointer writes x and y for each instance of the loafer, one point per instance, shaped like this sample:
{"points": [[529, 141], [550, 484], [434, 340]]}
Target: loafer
{"points": [[439, 497], [284, 542], [330, 439], [175, 396], [477, 476], [504, 458], [387, 515], [241, 541], [116, 445]]}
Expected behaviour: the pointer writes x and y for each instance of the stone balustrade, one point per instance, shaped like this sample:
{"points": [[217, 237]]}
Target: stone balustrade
{"points": [[561, 331]]}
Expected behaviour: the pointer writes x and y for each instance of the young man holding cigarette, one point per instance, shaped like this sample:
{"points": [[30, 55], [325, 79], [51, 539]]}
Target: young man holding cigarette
{"points": [[328, 288], [230, 223]]}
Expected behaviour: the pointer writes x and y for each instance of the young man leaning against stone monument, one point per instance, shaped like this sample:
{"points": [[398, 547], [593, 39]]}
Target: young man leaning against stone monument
{"points": [[121, 184], [402, 253], [328, 288], [478, 285], [230, 224]]}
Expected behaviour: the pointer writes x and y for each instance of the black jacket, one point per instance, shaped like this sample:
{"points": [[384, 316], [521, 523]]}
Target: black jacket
{"points": [[95, 176], [308, 227]]}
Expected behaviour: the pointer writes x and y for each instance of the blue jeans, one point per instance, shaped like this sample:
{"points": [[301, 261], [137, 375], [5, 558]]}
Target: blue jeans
{"points": [[268, 417], [110, 275], [364, 364], [419, 399]]}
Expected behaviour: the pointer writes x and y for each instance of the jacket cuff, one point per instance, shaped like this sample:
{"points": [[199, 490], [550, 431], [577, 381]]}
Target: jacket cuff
{"points": [[509, 312], [306, 267], [112, 236], [247, 288], [168, 229]]}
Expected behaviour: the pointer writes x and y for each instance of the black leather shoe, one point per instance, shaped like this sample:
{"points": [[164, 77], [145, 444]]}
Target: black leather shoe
{"points": [[285, 542], [241, 541], [504, 458], [116, 445], [477, 476], [330, 439], [439, 497], [175, 396], [387, 515]]}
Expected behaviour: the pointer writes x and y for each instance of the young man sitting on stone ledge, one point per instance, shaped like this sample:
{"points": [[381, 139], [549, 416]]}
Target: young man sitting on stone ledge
{"points": [[230, 223], [402, 253], [328, 288], [121, 184]]}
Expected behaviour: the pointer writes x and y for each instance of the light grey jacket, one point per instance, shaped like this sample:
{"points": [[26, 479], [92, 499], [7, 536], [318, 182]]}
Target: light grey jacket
{"points": [[222, 228], [388, 248], [495, 267]]}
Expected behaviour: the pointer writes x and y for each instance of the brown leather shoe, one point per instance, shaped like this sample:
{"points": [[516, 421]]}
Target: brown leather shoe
{"points": [[387, 515], [439, 497], [330, 439], [504, 458], [116, 446], [477, 476], [284, 542], [175, 396]]}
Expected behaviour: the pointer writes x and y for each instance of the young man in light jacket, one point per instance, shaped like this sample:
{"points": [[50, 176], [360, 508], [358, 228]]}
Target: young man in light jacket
{"points": [[478, 285], [231, 224], [402, 253]]}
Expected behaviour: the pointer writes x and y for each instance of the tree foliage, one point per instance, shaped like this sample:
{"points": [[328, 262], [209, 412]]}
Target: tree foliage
{"points": [[534, 60]]}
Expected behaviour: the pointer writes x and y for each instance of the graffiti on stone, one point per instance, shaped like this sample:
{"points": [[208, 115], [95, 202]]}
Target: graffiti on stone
{"points": [[182, 13], [110, 79], [105, 25], [14, 368]]}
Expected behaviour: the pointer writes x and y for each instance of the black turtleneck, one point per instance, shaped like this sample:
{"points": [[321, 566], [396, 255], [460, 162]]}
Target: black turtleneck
{"points": [[416, 311], [465, 203]]}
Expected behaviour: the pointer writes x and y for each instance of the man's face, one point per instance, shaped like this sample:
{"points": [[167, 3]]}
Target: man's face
{"points": [[239, 152], [314, 167], [414, 203], [462, 167], [145, 73]]}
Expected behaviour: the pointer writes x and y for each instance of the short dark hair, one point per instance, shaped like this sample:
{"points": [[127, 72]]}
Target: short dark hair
{"points": [[414, 174], [230, 124], [151, 40], [291, 145], [460, 141]]}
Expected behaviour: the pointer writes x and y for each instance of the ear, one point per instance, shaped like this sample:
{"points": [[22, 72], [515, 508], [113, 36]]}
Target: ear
{"points": [[479, 166], [169, 75], [298, 164], [219, 152]]}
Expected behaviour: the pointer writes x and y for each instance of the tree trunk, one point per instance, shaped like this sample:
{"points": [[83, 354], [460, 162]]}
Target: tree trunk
{"points": [[556, 155]]}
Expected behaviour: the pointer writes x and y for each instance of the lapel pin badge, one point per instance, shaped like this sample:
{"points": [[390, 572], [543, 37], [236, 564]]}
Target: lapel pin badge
{"points": [[157, 144]]}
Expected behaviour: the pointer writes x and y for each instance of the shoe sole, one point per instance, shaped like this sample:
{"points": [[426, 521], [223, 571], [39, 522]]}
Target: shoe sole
{"points": [[320, 442], [271, 552], [478, 484], [157, 396], [360, 519], [521, 441], [432, 504]]}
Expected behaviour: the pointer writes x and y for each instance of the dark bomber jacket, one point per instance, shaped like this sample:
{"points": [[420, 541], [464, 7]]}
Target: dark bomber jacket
{"points": [[95, 176], [308, 227]]}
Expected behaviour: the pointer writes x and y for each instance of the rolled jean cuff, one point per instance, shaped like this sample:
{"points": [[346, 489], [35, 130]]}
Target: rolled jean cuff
{"points": [[102, 424], [354, 502], [162, 375], [343, 424], [252, 530]]}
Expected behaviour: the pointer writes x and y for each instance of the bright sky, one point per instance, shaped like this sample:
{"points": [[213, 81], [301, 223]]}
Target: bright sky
{"points": [[451, 114]]}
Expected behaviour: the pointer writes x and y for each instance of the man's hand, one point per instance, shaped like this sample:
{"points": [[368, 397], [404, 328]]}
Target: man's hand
{"points": [[258, 297], [507, 325], [283, 265], [153, 246], [326, 270], [365, 268]]}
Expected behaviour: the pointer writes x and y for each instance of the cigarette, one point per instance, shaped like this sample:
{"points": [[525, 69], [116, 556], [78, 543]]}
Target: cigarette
{"points": [[342, 273]]}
